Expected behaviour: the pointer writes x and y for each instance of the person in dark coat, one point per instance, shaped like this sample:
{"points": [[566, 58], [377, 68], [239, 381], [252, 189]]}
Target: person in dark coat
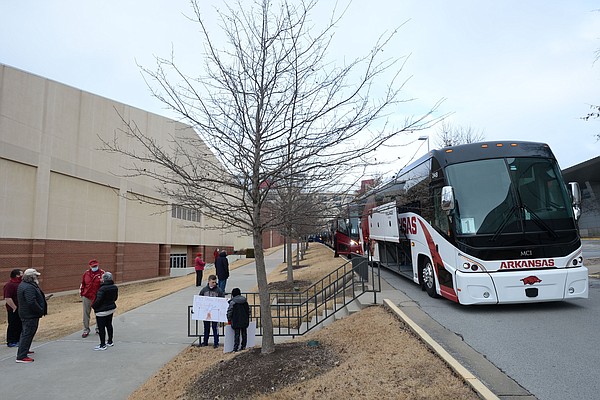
{"points": [[13, 332], [32, 307], [104, 307], [222, 268], [238, 314]]}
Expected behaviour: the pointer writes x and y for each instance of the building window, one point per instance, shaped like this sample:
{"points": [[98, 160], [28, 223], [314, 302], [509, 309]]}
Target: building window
{"points": [[178, 261], [185, 213]]}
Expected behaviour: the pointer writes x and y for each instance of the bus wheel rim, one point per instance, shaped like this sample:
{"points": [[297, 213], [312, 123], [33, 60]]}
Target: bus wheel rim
{"points": [[428, 275]]}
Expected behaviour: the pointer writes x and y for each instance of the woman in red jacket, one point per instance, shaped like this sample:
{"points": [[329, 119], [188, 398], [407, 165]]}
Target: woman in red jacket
{"points": [[199, 266]]}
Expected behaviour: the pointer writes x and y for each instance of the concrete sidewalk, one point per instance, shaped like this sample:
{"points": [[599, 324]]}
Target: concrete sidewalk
{"points": [[145, 339], [148, 337]]}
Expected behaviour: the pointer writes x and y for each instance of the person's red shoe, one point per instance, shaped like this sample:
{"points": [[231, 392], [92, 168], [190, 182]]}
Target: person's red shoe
{"points": [[25, 360]]}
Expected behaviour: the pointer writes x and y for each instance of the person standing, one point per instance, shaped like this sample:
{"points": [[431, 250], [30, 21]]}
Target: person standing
{"points": [[32, 306], [90, 283], [211, 290], [238, 314], [216, 254], [104, 307], [199, 267], [13, 332], [222, 267]]}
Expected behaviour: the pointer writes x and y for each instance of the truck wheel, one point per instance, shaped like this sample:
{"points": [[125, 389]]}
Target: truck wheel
{"points": [[428, 278]]}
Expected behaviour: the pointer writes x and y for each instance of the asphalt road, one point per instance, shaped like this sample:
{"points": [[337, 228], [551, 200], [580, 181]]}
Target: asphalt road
{"points": [[591, 248], [549, 349]]}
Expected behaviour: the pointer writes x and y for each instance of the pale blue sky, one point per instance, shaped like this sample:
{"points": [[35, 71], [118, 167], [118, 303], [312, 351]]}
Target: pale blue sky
{"points": [[516, 69]]}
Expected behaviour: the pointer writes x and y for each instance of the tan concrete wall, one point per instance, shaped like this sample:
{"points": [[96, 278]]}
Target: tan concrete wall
{"points": [[57, 185], [17, 184]]}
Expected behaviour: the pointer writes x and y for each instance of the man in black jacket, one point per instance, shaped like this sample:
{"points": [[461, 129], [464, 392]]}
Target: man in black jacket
{"points": [[222, 269], [32, 307]]}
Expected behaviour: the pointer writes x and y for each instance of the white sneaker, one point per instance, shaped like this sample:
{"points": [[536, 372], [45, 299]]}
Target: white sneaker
{"points": [[110, 344], [100, 348]]}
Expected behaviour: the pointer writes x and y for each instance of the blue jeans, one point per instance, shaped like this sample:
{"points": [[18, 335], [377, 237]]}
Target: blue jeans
{"points": [[215, 329], [221, 284]]}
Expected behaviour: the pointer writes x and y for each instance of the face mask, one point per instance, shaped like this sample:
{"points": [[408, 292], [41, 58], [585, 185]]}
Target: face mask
{"points": [[94, 269]]}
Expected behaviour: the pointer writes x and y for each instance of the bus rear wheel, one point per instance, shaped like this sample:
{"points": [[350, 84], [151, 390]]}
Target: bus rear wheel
{"points": [[428, 278]]}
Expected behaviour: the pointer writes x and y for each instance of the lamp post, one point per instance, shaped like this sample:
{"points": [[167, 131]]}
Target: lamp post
{"points": [[427, 139]]}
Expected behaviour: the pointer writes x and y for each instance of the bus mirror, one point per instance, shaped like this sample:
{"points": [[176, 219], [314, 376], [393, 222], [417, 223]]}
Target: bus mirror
{"points": [[576, 199], [447, 198], [575, 193]]}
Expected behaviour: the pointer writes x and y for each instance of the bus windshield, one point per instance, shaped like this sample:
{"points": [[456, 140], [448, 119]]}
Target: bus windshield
{"points": [[349, 227], [509, 195]]}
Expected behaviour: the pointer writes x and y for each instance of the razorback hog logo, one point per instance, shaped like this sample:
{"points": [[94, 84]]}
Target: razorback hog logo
{"points": [[530, 280]]}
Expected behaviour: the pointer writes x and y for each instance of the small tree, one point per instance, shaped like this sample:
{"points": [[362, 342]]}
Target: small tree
{"points": [[449, 135], [273, 111], [594, 113]]}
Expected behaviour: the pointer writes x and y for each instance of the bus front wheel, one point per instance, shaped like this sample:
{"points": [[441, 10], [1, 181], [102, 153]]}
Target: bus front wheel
{"points": [[428, 278]]}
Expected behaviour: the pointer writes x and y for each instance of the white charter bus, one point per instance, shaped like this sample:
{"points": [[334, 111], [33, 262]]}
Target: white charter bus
{"points": [[482, 223]]}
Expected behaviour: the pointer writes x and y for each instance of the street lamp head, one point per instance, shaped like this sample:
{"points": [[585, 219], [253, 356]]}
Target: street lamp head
{"points": [[423, 137]]}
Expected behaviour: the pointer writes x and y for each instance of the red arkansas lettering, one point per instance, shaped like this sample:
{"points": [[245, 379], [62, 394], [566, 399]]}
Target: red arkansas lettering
{"points": [[408, 225], [538, 263]]}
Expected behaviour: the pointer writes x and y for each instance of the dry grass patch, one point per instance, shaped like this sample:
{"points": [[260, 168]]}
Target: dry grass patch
{"points": [[368, 355]]}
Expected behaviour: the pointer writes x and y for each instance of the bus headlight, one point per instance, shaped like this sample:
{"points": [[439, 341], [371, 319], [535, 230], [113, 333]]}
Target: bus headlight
{"points": [[469, 264], [576, 261]]}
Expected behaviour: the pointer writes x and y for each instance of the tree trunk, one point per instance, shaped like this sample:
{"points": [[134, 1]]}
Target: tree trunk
{"points": [[268, 343], [290, 268], [298, 253]]}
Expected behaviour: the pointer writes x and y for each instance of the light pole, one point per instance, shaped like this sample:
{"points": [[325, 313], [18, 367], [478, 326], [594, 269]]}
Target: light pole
{"points": [[427, 139]]}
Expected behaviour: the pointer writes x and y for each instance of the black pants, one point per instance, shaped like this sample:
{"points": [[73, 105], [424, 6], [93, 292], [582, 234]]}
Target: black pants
{"points": [[199, 278], [104, 326], [30, 327], [236, 338], [13, 332], [215, 329]]}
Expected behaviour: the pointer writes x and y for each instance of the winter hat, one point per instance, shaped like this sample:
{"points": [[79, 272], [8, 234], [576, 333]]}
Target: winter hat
{"points": [[107, 276], [93, 263], [236, 292], [31, 272]]}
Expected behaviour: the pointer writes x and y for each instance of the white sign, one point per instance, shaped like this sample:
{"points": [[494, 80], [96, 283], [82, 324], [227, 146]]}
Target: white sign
{"points": [[230, 333], [207, 308]]}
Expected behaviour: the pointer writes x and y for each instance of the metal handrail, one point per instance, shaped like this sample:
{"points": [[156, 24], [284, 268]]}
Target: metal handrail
{"points": [[292, 312]]}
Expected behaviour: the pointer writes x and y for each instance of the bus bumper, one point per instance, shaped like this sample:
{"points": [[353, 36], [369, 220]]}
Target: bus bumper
{"points": [[523, 286]]}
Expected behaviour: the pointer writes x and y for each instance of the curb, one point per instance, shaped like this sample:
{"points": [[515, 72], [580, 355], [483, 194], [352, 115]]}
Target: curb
{"points": [[457, 367]]}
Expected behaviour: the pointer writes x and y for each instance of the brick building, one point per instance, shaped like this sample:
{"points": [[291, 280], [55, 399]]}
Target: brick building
{"points": [[64, 201]]}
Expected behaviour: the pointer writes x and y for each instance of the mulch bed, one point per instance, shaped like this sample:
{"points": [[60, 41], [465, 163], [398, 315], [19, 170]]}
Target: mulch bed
{"points": [[251, 373]]}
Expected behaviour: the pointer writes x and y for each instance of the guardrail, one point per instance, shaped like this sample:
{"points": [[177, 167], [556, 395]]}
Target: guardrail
{"points": [[296, 313]]}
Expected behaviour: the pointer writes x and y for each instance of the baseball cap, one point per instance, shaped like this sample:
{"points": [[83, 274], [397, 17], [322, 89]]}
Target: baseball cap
{"points": [[31, 271]]}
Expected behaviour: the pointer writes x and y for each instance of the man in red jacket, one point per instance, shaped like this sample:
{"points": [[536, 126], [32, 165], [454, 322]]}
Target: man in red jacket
{"points": [[90, 283]]}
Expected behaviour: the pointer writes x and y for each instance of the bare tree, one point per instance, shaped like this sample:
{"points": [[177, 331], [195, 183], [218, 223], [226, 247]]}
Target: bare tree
{"points": [[449, 135], [594, 113], [273, 111]]}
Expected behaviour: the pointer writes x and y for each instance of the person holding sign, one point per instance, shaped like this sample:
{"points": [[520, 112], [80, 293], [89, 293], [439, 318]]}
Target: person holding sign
{"points": [[211, 290]]}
